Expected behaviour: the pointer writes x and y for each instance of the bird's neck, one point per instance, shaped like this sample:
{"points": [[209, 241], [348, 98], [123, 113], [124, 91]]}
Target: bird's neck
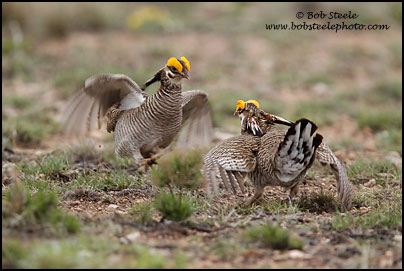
{"points": [[169, 85]]}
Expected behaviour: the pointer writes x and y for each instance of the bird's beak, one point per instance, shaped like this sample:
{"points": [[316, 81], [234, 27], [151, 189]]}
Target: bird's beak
{"points": [[235, 113], [283, 121], [187, 76]]}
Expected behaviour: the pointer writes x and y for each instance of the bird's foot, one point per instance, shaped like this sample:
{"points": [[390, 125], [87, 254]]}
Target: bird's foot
{"points": [[147, 163], [292, 204], [250, 202], [290, 201]]}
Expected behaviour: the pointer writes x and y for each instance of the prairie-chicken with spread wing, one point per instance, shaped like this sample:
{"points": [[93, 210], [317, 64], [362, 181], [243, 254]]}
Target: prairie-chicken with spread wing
{"points": [[143, 124], [255, 121], [276, 158], [261, 151]]}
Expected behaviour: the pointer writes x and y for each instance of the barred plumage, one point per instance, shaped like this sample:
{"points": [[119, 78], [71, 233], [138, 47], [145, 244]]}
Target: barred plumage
{"points": [[143, 124], [324, 155], [278, 158]]}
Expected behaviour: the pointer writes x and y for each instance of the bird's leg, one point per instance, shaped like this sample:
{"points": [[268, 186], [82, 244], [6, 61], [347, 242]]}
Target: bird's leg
{"points": [[142, 163], [257, 195], [156, 154], [147, 163], [293, 192]]}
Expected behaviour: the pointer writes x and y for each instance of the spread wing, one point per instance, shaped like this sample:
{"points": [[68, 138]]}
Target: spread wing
{"points": [[196, 117], [230, 161], [325, 155], [96, 96]]}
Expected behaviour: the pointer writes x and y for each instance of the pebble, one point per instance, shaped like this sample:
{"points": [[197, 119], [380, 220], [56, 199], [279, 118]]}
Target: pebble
{"points": [[370, 183], [120, 213], [112, 207], [395, 158], [398, 238], [74, 203], [387, 259], [297, 254], [130, 238]]}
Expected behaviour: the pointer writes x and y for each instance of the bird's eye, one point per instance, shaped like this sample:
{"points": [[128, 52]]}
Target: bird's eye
{"points": [[173, 69]]}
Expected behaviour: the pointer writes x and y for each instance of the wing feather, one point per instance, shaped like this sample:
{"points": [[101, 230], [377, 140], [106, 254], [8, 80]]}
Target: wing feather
{"points": [[100, 92], [197, 130], [233, 158]]}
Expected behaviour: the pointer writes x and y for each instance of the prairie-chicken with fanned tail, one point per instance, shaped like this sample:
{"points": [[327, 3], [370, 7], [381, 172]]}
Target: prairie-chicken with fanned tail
{"points": [[277, 158], [260, 121], [143, 124], [252, 152]]}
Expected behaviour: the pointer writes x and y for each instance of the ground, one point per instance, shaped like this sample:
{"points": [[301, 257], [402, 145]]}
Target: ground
{"points": [[72, 203]]}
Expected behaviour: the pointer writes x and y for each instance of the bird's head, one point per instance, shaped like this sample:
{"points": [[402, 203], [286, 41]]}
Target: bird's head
{"points": [[176, 70], [244, 107]]}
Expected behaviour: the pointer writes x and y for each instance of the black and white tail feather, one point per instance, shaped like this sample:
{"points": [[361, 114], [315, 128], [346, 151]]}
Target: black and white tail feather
{"points": [[297, 151]]}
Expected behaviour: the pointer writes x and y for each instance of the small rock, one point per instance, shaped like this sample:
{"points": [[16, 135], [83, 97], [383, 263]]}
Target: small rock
{"points": [[387, 259], [74, 203], [130, 238], [395, 158], [124, 241], [370, 183], [369, 147], [112, 207], [297, 254], [351, 156], [120, 213], [320, 89], [398, 238]]}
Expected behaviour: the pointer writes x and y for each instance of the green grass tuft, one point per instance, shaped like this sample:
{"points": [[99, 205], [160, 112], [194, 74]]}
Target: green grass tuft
{"points": [[318, 202], [106, 182], [383, 171], [38, 212], [391, 140], [12, 252], [386, 91], [174, 207], [29, 128], [379, 120], [179, 168], [273, 236], [142, 212]]}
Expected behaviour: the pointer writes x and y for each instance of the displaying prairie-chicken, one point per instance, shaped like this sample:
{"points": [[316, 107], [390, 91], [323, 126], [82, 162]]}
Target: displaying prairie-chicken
{"points": [[277, 157], [254, 120], [259, 120], [143, 124]]}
